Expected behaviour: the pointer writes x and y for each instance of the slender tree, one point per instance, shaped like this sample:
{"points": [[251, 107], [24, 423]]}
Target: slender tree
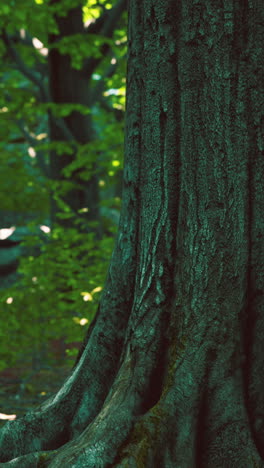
{"points": [[60, 79], [171, 371], [71, 84]]}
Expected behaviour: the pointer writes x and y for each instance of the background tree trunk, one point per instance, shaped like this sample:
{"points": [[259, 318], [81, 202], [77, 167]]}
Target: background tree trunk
{"points": [[171, 371], [70, 85]]}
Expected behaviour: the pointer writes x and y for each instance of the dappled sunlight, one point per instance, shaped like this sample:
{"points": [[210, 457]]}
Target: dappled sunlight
{"points": [[80, 321], [83, 210], [6, 232], [37, 43], [7, 417], [45, 229], [87, 296], [115, 92], [31, 151], [83, 321], [41, 136]]}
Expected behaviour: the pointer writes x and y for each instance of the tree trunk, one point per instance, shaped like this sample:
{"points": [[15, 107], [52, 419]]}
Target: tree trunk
{"points": [[71, 86], [171, 371]]}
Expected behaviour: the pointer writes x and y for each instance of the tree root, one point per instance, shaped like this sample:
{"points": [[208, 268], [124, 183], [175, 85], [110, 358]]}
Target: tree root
{"points": [[199, 420]]}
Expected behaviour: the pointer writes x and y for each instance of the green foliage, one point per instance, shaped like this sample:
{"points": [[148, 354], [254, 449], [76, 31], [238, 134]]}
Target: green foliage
{"points": [[57, 294], [22, 187], [60, 276], [78, 46], [61, 110]]}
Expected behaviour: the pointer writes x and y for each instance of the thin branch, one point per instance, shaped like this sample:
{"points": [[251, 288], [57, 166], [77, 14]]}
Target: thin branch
{"points": [[68, 135], [33, 142], [28, 137], [98, 89], [119, 114], [18, 38], [22, 67], [114, 15], [104, 26], [27, 41], [59, 122]]}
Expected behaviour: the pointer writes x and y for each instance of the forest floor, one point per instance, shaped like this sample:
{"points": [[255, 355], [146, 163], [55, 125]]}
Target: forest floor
{"points": [[22, 389]]}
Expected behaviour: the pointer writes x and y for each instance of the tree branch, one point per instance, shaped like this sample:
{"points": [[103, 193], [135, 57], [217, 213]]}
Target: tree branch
{"points": [[27, 41], [104, 26], [68, 135], [113, 16], [33, 142], [22, 67], [98, 89]]}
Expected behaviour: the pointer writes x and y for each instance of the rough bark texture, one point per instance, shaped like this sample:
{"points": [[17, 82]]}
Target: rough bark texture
{"points": [[171, 372]]}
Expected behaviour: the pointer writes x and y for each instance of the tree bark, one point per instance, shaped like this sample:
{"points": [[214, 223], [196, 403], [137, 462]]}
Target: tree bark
{"points": [[171, 371]]}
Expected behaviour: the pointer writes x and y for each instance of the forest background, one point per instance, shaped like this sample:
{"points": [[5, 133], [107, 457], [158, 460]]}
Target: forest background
{"points": [[62, 102]]}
